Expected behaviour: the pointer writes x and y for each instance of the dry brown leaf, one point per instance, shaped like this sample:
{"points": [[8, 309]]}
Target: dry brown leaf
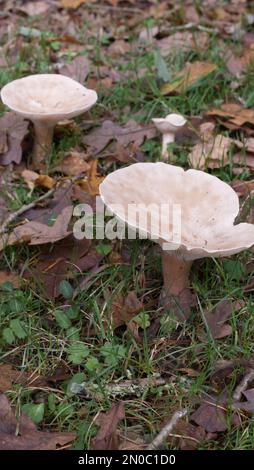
{"points": [[243, 188], [15, 128], [185, 40], [119, 47], [28, 438], [191, 73], [92, 182], [73, 4], [33, 179], [211, 417], [124, 309], [60, 262], [243, 159], [107, 438], [36, 233], [131, 440], [234, 114], [188, 435], [211, 152], [3, 142], [44, 181], [131, 132], [34, 8], [73, 165], [6, 276], [236, 65], [77, 70], [10, 376], [216, 320]]}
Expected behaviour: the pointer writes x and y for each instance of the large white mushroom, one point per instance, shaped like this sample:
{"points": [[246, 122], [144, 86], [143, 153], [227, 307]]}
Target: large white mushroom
{"points": [[168, 127], [205, 228], [46, 99]]}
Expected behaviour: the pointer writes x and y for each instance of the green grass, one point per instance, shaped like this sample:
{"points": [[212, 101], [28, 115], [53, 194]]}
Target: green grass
{"points": [[85, 345]]}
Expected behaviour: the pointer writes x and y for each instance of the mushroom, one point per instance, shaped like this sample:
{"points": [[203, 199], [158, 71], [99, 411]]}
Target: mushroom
{"points": [[144, 195], [168, 127], [46, 99]]}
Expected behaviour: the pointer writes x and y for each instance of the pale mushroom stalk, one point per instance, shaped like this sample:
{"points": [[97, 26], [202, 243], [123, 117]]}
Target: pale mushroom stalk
{"points": [[43, 137], [46, 99], [176, 272], [167, 138], [209, 208], [168, 127]]}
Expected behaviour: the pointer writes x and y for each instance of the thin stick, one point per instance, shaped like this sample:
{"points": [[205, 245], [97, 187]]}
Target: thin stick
{"points": [[23, 209], [241, 387], [166, 430]]}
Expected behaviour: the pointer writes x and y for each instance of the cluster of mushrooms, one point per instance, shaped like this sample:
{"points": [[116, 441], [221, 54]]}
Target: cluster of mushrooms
{"points": [[209, 206]]}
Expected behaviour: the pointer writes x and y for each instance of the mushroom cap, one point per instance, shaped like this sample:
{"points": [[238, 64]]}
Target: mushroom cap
{"points": [[170, 123], [208, 208], [48, 97]]}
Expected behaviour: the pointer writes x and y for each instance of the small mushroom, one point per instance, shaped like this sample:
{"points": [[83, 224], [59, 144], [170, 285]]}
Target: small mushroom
{"points": [[168, 127], [46, 99], [208, 209]]}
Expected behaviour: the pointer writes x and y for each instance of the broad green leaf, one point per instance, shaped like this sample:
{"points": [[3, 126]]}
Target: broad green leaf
{"points": [[62, 319], [34, 411]]}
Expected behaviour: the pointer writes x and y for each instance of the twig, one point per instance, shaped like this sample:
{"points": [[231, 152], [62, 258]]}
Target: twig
{"points": [[113, 8], [166, 430], [127, 387], [241, 387], [188, 26], [23, 209]]}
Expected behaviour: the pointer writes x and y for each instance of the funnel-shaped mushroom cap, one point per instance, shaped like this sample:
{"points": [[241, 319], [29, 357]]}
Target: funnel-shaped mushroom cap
{"points": [[208, 208], [48, 97], [170, 123]]}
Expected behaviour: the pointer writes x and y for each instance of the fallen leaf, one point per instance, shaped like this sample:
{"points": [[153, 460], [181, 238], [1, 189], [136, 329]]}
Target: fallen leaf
{"points": [[15, 128], [44, 181], [190, 74], [243, 159], [34, 8], [233, 114], [77, 70], [217, 321], [92, 182], [243, 188], [188, 435], [28, 438], [119, 47], [131, 440], [63, 197], [107, 438], [247, 405], [124, 309], [7, 276], [236, 65], [147, 34], [3, 142], [212, 418], [36, 233], [98, 139], [73, 165], [184, 40], [211, 152], [67, 258], [33, 179], [73, 4], [10, 376]]}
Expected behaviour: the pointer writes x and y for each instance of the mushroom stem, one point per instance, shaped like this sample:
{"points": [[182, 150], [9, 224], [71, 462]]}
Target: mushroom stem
{"points": [[167, 138], [43, 136], [175, 273]]}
